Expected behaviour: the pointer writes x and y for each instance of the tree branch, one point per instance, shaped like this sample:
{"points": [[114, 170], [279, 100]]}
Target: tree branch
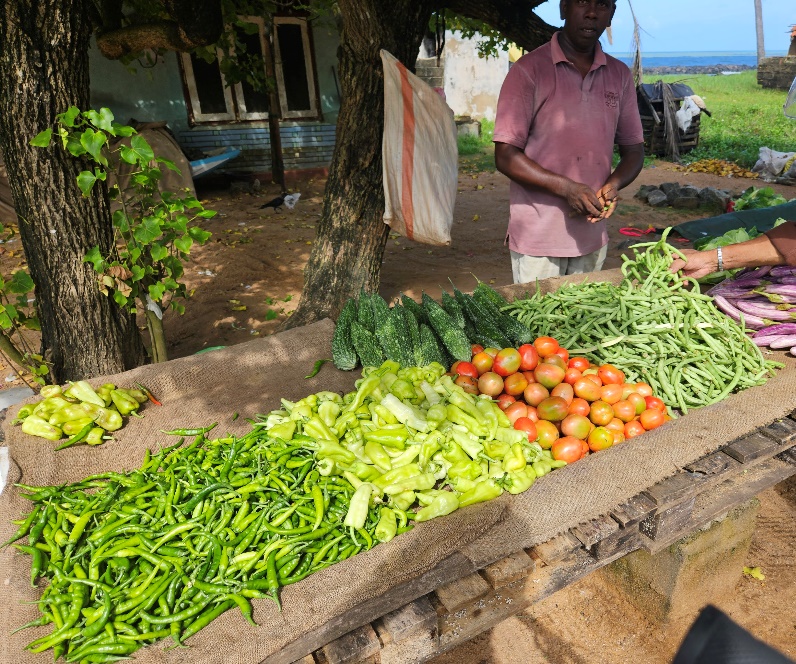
{"points": [[515, 19]]}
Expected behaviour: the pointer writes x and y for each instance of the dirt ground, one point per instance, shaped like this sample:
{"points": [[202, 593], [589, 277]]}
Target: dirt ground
{"points": [[248, 278]]}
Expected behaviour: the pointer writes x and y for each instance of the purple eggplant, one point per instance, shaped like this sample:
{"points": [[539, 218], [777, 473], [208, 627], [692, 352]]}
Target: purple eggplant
{"points": [[787, 341], [779, 329], [782, 271], [764, 342], [789, 281], [753, 322], [787, 290], [763, 311]]}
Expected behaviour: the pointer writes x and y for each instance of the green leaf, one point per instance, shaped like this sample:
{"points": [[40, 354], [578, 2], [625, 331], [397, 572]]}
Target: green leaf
{"points": [[122, 130], [128, 155], [86, 181], [74, 146], [32, 323], [68, 118], [156, 291], [135, 254], [206, 214], [199, 235], [93, 141], [142, 148], [43, 138], [271, 314], [95, 258], [12, 312], [120, 299], [121, 221], [179, 308], [147, 231], [168, 164], [171, 285], [102, 120], [138, 273], [158, 252], [190, 202], [20, 283], [184, 244], [5, 322]]}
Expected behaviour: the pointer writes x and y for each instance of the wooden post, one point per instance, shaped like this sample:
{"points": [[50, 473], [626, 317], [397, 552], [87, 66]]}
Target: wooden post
{"points": [[274, 113]]}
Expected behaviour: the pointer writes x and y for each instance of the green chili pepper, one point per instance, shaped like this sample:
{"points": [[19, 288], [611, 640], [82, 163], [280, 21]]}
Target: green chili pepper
{"points": [[78, 437]]}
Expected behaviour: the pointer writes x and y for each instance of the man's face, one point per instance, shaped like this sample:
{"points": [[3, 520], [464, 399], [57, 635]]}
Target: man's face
{"points": [[586, 20]]}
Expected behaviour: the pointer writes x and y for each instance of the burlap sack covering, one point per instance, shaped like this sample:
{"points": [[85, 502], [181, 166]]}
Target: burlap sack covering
{"points": [[250, 378]]}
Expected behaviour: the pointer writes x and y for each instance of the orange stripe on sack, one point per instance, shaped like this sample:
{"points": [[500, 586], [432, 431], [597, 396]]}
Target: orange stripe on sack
{"points": [[407, 153]]}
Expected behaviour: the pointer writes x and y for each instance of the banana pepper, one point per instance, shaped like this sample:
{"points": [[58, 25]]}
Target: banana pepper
{"points": [[391, 435], [387, 526], [420, 482], [444, 503], [317, 428], [515, 459], [481, 492], [33, 425], [378, 456], [329, 411], [520, 480], [124, 403]]}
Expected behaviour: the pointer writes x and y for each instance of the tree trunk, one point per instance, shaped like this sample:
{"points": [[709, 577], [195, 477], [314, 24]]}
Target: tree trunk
{"points": [[43, 71], [351, 235], [761, 46], [513, 18], [274, 113]]}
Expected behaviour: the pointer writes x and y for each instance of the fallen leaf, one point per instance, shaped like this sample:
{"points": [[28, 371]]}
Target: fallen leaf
{"points": [[476, 217], [755, 573], [479, 187]]}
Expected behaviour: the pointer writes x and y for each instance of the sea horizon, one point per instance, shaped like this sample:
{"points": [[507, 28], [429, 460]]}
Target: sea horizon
{"points": [[695, 58]]}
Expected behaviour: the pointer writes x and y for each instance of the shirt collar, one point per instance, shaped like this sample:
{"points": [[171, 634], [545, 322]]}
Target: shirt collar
{"points": [[558, 53]]}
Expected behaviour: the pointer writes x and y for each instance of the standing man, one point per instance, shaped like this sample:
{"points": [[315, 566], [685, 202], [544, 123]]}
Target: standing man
{"points": [[562, 108]]}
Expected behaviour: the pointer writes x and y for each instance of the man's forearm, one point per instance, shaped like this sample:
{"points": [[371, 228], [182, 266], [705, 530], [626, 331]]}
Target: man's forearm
{"points": [[631, 161], [516, 166]]}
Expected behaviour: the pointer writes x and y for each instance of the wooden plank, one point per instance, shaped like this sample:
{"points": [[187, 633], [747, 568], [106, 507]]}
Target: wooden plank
{"points": [[455, 595], [783, 431], [591, 532], [788, 456], [675, 489], [413, 618], [634, 510], [309, 659], [356, 646], [713, 464], [555, 549], [624, 541], [419, 648], [664, 522], [751, 447], [451, 568], [509, 569]]}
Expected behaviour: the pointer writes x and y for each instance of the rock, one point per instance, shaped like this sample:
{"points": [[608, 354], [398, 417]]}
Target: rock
{"points": [[644, 190], [686, 202], [668, 187], [710, 196], [688, 191], [656, 198]]}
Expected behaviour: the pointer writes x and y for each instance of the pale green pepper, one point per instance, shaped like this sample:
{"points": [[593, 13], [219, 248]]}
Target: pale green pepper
{"points": [[387, 526], [444, 503], [515, 459], [47, 407], [96, 436], [403, 389], [33, 425], [436, 415], [511, 436], [396, 475], [494, 449], [420, 482], [108, 419], [378, 456], [358, 507], [71, 427], [468, 443], [431, 445], [406, 457], [458, 416], [403, 501], [329, 411], [520, 480], [481, 492], [391, 435], [468, 469], [284, 431], [68, 413], [124, 403], [329, 449], [317, 429], [81, 390]]}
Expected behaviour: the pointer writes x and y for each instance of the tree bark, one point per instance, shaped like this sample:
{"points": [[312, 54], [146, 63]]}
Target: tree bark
{"points": [[761, 46], [44, 70], [351, 235]]}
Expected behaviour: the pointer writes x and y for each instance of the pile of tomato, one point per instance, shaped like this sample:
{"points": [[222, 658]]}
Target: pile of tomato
{"points": [[566, 404]]}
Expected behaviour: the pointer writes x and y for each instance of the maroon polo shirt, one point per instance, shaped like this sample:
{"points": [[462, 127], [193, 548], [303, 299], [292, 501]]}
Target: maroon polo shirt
{"points": [[569, 125]]}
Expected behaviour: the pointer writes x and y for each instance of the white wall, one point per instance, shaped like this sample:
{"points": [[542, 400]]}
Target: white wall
{"points": [[472, 84]]}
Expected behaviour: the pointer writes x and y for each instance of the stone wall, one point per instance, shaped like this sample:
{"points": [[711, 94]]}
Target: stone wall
{"points": [[777, 72]]}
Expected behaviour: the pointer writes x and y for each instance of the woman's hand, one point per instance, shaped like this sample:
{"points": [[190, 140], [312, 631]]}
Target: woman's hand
{"points": [[697, 264]]}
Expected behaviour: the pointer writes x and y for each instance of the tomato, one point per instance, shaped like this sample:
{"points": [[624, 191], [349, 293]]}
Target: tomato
{"points": [[546, 346], [483, 362], [491, 351], [535, 393], [616, 426], [651, 419], [465, 369], [611, 393], [624, 410], [565, 391], [610, 375], [601, 413], [547, 434], [584, 446], [586, 389], [527, 425], [633, 429], [507, 361], [638, 401], [576, 425], [619, 437], [567, 449], [529, 357], [504, 401], [600, 439], [572, 375], [579, 363], [490, 383], [532, 414], [594, 378], [548, 375], [475, 349], [556, 360], [552, 409], [470, 384], [655, 403], [579, 407], [516, 410], [643, 389], [627, 390], [515, 384], [563, 353]]}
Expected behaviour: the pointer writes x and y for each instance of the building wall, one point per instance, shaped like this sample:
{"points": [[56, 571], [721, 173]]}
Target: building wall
{"points": [[472, 84], [156, 94]]}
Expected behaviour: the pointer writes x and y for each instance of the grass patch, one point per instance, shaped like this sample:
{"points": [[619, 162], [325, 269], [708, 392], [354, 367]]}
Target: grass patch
{"points": [[745, 117], [478, 150]]}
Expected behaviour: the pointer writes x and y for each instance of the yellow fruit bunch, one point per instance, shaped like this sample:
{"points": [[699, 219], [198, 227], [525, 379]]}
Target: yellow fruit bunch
{"points": [[717, 167]]}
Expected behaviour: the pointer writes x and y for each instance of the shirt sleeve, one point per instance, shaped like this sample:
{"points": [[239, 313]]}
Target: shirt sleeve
{"points": [[783, 237], [514, 109], [628, 129]]}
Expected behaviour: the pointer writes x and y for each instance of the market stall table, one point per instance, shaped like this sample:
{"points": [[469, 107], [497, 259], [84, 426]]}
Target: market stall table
{"points": [[635, 495]]}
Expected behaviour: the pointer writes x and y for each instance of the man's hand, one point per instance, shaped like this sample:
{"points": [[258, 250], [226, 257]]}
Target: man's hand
{"points": [[582, 199], [608, 197], [697, 264]]}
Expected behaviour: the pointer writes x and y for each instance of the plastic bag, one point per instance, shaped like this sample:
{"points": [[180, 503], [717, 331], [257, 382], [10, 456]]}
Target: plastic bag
{"points": [[420, 157], [771, 163]]}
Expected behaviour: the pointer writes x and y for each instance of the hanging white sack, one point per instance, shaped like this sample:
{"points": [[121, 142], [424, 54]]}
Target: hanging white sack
{"points": [[420, 157]]}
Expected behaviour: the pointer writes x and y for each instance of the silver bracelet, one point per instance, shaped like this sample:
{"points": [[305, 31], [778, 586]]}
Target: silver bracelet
{"points": [[719, 260]]}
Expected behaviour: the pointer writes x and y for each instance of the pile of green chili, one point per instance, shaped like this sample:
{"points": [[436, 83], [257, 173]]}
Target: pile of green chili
{"points": [[655, 326], [165, 549]]}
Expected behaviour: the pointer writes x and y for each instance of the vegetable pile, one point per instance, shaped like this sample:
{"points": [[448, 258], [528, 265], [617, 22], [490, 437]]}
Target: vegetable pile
{"points": [[79, 412], [196, 530], [653, 328], [764, 299], [566, 405]]}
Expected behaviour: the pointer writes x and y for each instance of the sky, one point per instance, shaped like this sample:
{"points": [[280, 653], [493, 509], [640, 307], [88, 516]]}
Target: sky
{"points": [[694, 25]]}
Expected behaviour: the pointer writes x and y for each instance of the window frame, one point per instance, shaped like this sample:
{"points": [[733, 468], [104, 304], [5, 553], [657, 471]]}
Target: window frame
{"points": [[309, 66]]}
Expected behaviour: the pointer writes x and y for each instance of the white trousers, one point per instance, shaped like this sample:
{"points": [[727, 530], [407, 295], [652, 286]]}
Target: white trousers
{"points": [[527, 269]]}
